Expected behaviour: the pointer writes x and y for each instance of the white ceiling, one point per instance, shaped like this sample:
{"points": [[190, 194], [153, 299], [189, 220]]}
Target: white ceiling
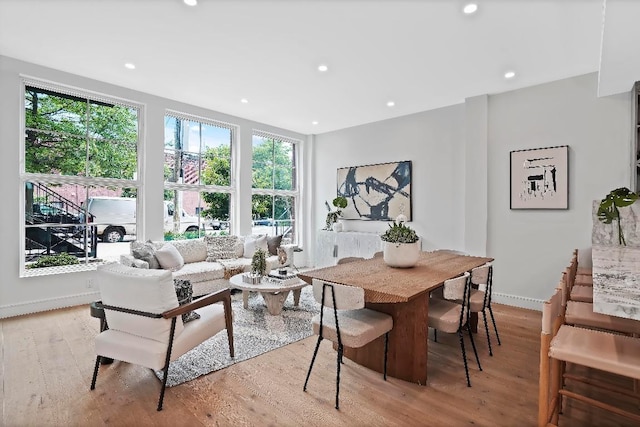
{"points": [[420, 54]]}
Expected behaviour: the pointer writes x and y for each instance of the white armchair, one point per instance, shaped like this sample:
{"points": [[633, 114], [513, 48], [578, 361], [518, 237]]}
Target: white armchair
{"points": [[144, 319]]}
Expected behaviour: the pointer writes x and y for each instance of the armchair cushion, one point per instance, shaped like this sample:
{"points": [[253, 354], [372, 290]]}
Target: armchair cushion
{"points": [[138, 289], [151, 353]]}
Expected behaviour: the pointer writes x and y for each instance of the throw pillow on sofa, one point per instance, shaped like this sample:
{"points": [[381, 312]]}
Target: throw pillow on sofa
{"points": [[184, 292], [169, 257], [221, 247], [251, 243], [145, 251]]}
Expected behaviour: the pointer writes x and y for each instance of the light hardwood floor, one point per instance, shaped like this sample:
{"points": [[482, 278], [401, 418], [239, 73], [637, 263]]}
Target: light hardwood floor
{"points": [[47, 361]]}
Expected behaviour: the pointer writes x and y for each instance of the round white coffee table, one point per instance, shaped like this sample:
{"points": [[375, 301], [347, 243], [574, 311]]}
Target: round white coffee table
{"points": [[273, 293]]}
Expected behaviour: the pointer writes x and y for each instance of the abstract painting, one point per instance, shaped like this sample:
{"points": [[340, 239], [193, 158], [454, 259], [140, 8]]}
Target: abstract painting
{"points": [[540, 178], [376, 192]]}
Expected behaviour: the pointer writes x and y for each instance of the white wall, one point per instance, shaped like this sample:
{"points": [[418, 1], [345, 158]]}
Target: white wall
{"points": [[476, 180], [533, 247], [24, 295], [460, 181], [433, 141]]}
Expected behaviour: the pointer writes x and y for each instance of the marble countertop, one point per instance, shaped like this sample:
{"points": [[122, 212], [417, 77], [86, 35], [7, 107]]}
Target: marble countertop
{"points": [[616, 280]]}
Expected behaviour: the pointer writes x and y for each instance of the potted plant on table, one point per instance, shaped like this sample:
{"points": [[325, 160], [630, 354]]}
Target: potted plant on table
{"points": [[608, 210], [401, 245], [339, 203], [259, 263]]}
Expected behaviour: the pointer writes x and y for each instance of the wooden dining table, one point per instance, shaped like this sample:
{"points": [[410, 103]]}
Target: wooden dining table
{"points": [[403, 293]]}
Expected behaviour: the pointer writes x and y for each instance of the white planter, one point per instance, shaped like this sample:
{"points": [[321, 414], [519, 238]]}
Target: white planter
{"points": [[401, 255]]}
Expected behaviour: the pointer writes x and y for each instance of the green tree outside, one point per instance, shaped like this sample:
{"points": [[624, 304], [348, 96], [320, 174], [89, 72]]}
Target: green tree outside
{"points": [[273, 168], [63, 132]]}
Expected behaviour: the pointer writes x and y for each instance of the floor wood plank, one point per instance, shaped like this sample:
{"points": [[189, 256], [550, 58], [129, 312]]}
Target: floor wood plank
{"points": [[47, 361]]}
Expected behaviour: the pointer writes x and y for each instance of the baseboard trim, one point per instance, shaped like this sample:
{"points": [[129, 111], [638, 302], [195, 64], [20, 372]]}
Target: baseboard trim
{"points": [[36, 306], [517, 301], [28, 307]]}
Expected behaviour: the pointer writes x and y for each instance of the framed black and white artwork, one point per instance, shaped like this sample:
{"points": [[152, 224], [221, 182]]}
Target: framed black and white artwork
{"points": [[378, 192], [540, 178]]}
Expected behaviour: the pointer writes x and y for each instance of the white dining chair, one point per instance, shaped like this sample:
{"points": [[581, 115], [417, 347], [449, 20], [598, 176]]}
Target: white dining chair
{"points": [[344, 321]]}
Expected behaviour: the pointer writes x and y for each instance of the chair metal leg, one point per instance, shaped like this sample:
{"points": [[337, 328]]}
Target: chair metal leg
{"points": [[164, 386], [464, 357], [313, 359], [495, 328], [486, 328], [95, 373], [340, 350], [166, 362], [435, 335], [473, 344], [386, 349]]}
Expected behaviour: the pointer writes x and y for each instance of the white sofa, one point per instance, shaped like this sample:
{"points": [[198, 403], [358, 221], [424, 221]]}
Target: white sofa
{"points": [[205, 273]]}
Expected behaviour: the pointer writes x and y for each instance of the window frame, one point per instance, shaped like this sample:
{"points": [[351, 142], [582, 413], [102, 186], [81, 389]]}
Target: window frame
{"points": [[210, 188], [87, 181], [294, 192]]}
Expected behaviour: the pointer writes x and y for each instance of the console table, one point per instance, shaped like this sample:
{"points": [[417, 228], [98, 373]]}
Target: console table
{"points": [[332, 245]]}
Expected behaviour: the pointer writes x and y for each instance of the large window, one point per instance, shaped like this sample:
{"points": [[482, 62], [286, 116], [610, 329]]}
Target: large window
{"points": [[77, 146], [198, 175], [275, 185]]}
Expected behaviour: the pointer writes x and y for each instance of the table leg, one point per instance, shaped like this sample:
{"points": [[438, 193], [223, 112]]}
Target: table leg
{"points": [[296, 297], [275, 301], [473, 322], [245, 299], [408, 342]]}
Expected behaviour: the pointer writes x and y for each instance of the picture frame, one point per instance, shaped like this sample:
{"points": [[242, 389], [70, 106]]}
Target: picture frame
{"points": [[378, 192], [539, 178]]}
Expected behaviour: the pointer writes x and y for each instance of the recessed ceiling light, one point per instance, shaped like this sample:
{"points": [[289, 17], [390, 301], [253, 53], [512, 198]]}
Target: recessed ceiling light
{"points": [[509, 74], [314, 122], [191, 2], [244, 100], [390, 104], [130, 66], [470, 8], [322, 67]]}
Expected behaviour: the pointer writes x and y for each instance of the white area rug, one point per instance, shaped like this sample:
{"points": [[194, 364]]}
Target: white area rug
{"points": [[254, 332]]}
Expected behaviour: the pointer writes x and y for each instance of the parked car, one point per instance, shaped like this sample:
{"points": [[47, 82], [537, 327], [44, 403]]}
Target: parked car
{"points": [[218, 224], [264, 221], [115, 217]]}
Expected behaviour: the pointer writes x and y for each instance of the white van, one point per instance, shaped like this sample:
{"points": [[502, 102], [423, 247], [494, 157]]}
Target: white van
{"points": [[115, 217], [187, 222]]}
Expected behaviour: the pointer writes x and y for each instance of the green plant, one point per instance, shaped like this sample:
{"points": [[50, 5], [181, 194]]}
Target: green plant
{"points": [[62, 258], [340, 203], [171, 235], [259, 262], [399, 233], [608, 209]]}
